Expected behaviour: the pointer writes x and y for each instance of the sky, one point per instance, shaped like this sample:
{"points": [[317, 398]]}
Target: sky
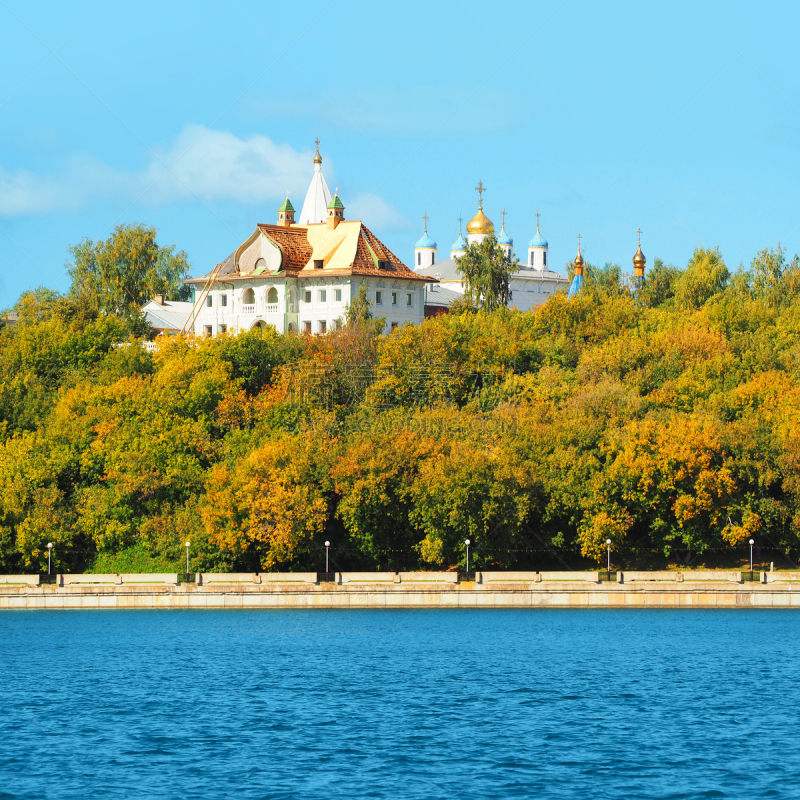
{"points": [[679, 118]]}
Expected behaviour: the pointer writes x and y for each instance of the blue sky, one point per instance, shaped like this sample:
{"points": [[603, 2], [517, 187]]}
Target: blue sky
{"points": [[682, 118]]}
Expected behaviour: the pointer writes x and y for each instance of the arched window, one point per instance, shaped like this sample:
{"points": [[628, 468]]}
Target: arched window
{"points": [[249, 297], [531, 257], [260, 266], [419, 259], [292, 300], [272, 296], [433, 258], [544, 256]]}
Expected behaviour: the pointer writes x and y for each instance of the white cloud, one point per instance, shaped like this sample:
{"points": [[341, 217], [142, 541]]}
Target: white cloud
{"points": [[201, 163]]}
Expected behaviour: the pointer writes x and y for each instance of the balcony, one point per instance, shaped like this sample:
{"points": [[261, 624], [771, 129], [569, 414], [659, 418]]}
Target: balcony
{"points": [[272, 308], [249, 309]]}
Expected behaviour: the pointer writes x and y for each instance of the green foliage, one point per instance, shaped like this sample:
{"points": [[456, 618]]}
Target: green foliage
{"points": [[486, 271], [666, 422], [122, 273]]}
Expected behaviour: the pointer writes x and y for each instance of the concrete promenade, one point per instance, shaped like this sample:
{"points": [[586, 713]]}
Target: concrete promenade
{"points": [[510, 591]]}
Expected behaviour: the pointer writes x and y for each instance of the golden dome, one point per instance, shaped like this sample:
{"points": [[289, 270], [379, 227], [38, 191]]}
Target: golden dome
{"points": [[639, 260], [579, 259], [317, 157], [480, 223]]}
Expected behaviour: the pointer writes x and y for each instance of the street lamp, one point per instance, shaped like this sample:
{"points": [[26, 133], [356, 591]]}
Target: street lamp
{"points": [[49, 552], [188, 544], [466, 542], [751, 560], [327, 553], [608, 566]]}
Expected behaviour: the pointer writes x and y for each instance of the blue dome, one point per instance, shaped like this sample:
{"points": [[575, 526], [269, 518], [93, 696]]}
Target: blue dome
{"points": [[538, 240], [425, 241], [504, 238], [459, 245]]}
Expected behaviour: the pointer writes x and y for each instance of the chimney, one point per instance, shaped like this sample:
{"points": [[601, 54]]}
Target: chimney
{"points": [[159, 298], [335, 211], [286, 213]]}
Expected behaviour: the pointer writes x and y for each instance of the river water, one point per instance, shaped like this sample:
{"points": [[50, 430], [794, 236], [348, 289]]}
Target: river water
{"points": [[400, 704]]}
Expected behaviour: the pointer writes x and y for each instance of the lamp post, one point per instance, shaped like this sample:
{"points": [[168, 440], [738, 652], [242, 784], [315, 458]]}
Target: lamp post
{"points": [[466, 542], [327, 553], [49, 553], [751, 560], [188, 544], [608, 566]]}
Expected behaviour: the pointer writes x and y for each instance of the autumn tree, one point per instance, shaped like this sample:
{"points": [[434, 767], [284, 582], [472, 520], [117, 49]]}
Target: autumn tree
{"points": [[122, 273], [487, 271]]}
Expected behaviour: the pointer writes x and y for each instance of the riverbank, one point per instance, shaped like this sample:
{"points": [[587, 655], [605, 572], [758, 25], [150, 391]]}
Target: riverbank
{"points": [[386, 590]]}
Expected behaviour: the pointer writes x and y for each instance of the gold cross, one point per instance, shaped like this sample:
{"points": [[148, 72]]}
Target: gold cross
{"points": [[459, 225], [316, 141], [640, 236], [537, 219], [579, 243], [480, 189], [426, 218], [504, 219]]}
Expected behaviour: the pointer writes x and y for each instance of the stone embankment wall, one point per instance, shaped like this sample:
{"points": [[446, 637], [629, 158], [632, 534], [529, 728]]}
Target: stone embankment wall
{"points": [[405, 590]]}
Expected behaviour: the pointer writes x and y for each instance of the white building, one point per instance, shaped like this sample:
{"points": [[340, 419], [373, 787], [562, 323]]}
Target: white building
{"points": [[530, 287], [300, 276]]}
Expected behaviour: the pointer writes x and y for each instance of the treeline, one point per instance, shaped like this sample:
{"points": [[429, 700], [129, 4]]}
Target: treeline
{"points": [[666, 421]]}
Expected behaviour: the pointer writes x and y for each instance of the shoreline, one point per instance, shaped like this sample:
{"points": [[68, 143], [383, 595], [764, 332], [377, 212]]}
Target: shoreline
{"points": [[464, 594]]}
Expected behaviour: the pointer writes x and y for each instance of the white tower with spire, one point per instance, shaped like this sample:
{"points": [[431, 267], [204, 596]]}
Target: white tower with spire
{"points": [[537, 250], [318, 196], [459, 245], [424, 249], [504, 240]]}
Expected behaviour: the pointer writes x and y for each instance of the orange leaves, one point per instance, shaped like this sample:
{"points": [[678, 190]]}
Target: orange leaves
{"points": [[267, 504]]}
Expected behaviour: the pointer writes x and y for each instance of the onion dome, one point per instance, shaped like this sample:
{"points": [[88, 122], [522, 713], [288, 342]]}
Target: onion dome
{"points": [[459, 245], [317, 157], [639, 261], [538, 240], [503, 238], [480, 224], [579, 259], [425, 241]]}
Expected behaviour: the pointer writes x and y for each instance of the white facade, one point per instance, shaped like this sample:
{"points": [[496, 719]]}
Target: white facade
{"points": [[306, 306]]}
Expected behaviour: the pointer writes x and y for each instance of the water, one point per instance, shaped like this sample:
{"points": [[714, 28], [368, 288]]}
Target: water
{"points": [[399, 704]]}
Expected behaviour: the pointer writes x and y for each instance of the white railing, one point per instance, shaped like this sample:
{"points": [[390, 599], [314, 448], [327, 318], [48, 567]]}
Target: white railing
{"points": [[151, 347], [249, 309], [272, 308]]}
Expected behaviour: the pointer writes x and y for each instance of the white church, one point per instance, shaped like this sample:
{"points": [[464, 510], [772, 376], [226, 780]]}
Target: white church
{"points": [[530, 287], [300, 274]]}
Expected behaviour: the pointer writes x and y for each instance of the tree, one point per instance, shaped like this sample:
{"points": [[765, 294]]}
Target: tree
{"points": [[126, 270], [705, 276], [360, 310], [487, 271]]}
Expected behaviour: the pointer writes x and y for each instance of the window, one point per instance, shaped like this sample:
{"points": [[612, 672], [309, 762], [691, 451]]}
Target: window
{"points": [[306, 327], [322, 326], [209, 301], [307, 296], [394, 327], [383, 265], [222, 328], [249, 298], [292, 300], [433, 258], [544, 257], [419, 259], [337, 294], [531, 257], [378, 298], [409, 299], [223, 300], [319, 263], [394, 298], [323, 295], [207, 330]]}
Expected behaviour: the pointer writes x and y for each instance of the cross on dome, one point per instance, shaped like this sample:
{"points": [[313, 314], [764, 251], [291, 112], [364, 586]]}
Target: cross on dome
{"points": [[480, 189]]}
